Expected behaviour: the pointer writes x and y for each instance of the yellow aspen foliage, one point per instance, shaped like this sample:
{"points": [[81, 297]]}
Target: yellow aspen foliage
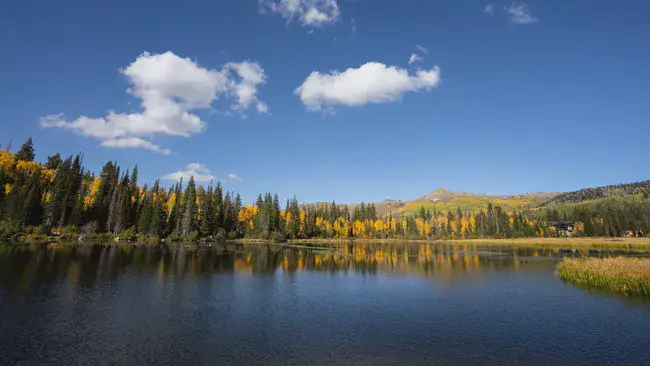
{"points": [[427, 229], [341, 228], [7, 160], [329, 228], [27, 167], [247, 214], [171, 202], [424, 228], [511, 222], [7, 189], [288, 218], [303, 220], [46, 197], [464, 227], [454, 225], [379, 226], [88, 202], [94, 187], [472, 224], [48, 175]]}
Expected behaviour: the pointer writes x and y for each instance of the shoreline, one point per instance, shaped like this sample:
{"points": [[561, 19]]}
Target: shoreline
{"points": [[623, 243], [595, 243]]}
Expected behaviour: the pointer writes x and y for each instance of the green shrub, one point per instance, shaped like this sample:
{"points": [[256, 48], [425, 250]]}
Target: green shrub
{"points": [[9, 229], [277, 237], [129, 234], [193, 237]]}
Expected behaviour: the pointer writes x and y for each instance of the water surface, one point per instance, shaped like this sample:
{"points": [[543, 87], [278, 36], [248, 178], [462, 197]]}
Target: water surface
{"points": [[351, 304]]}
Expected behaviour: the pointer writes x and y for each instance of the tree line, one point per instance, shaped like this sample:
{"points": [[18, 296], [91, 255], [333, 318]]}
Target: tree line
{"points": [[62, 197]]}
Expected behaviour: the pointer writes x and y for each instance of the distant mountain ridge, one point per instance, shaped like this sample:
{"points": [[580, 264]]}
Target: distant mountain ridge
{"points": [[587, 194], [443, 199]]}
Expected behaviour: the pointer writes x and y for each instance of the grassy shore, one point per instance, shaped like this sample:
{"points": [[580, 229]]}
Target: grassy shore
{"points": [[613, 243], [626, 275]]}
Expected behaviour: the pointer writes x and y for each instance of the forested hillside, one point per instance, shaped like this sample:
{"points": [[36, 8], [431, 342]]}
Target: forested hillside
{"points": [[61, 197], [639, 189]]}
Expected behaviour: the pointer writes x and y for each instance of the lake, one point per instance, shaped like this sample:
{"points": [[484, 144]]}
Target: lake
{"points": [[348, 304]]}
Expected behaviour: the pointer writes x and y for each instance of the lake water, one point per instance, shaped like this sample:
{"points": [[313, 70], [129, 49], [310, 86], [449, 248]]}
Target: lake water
{"points": [[350, 304]]}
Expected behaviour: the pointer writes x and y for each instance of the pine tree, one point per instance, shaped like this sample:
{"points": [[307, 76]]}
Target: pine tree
{"points": [[208, 226], [157, 222], [276, 213], [53, 161], [146, 210], [189, 215], [58, 194], [31, 208], [26, 151]]}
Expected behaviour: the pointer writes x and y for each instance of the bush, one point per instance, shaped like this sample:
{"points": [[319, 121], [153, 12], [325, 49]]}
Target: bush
{"points": [[221, 236], [69, 233], [88, 228], [128, 234], [193, 237], [27, 230], [9, 229], [277, 237]]}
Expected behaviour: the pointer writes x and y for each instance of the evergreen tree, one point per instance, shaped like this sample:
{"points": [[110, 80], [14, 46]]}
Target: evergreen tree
{"points": [[208, 224], [146, 211], [189, 215], [31, 209], [26, 152], [53, 161]]}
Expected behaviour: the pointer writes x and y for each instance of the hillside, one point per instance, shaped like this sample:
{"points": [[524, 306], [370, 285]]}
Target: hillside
{"points": [[443, 199], [639, 189]]}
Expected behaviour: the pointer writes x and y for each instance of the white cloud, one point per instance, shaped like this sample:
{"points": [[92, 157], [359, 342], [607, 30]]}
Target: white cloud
{"points": [[134, 142], [169, 87], [312, 13], [520, 14], [489, 9], [373, 82], [234, 176], [251, 75], [415, 58], [196, 170], [422, 49]]}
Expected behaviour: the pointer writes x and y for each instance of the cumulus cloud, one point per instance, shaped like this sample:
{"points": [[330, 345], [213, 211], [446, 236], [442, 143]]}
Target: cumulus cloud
{"points": [[234, 176], [134, 142], [415, 58], [373, 82], [252, 75], [520, 14], [196, 170], [169, 88], [311, 13]]}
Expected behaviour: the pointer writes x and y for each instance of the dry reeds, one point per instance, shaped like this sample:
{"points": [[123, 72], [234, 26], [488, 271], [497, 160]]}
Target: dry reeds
{"points": [[620, 274]]}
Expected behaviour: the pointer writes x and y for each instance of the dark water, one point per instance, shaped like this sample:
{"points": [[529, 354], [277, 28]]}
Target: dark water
{"points": [[353, 304]]}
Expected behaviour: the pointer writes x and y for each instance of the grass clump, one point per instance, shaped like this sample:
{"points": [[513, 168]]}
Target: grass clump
{"points": [[620, 274]]}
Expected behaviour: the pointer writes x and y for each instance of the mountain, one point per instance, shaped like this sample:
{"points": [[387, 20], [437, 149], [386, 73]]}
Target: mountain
{"points": [[442, 199]]}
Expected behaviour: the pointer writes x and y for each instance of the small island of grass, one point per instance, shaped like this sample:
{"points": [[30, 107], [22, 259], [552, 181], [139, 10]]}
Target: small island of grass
{"points": [[626, 275]]}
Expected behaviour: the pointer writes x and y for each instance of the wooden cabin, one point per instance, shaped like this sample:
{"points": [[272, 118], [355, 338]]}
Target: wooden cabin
{"points": [[562, 227]]}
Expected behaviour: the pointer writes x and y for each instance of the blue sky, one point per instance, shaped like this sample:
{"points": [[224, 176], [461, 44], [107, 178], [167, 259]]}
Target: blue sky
{"points": [[508, 97]]}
